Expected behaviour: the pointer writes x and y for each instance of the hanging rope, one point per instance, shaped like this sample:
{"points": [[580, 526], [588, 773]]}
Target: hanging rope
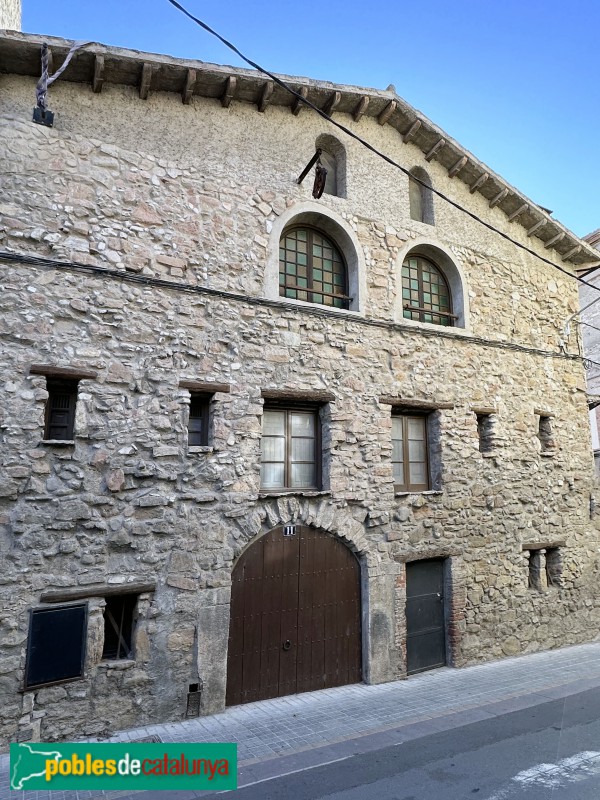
{"points": [[45, 81]]}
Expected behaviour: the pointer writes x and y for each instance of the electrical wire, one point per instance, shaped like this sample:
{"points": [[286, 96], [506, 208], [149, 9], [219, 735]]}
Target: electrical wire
{"points": [[312, 310], [370, 147]]}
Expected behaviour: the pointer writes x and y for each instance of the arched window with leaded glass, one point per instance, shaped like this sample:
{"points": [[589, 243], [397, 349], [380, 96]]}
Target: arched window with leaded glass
{"points": [[311, 268], [425, 292]]}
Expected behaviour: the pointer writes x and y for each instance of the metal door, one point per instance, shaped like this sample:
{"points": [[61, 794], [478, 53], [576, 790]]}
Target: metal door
{"points": [[295, 616], [425, 618]]}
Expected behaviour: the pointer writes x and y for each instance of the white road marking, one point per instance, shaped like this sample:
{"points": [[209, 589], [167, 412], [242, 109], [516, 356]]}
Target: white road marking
{"points": [[552, 776]]}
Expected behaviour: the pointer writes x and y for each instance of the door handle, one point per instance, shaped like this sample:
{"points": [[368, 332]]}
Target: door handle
{"points": [[287, 644]]}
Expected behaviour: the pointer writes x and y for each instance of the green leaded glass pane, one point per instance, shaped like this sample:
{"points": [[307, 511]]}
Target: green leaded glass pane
{"points": [[425, 290], [308, 259]]}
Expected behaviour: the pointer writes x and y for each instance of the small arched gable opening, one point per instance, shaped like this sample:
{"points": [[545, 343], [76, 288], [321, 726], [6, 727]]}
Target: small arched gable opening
{"points": [[295, 621], [420, 196], [333, 158]]}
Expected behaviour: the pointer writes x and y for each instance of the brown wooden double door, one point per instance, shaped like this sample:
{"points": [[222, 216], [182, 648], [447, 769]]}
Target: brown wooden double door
{"points": [[295, 616]]}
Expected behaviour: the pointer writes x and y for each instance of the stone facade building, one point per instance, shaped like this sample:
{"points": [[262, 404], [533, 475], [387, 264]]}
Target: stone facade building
{"points": [[255, 442]]}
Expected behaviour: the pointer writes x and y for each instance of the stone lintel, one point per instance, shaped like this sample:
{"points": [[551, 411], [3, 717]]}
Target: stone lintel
{"points": [[294, 395], [543, 412], [74, 373], [484, 410], [543, 545], [97, 590], [206, 388], [408, 403]]}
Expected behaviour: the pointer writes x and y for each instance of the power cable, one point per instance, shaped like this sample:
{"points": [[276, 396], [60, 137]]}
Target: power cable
{"points": [[370, 147]]}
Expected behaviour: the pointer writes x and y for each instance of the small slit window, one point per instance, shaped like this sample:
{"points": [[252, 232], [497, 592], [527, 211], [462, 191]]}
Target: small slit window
{"points": [[545, 568], [198, 420], [118, 627], [420, 196], [60, 409], [56, 644], [485, 432], [545, 434]]}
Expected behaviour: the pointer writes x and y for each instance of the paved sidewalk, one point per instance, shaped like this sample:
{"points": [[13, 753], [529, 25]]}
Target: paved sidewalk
{"points": [[423, 704]]}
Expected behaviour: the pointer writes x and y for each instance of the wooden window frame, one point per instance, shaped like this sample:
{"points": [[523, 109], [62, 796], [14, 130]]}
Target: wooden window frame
{"points": [[289, 409], [408, 486], [56, 386], [203, 399], [124, 626], [408, 309], [309, 290]]}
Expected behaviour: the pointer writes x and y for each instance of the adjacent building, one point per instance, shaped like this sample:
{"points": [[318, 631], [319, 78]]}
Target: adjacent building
{"points": [[257, 442]]}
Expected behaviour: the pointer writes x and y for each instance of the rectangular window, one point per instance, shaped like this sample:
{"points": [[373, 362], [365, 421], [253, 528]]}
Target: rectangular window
{"points": [[198, 420], [290, 449], [118, 626], [60, 409], [56, 644], [485, 432], [545, 434], [409, 452], [545, 568]]}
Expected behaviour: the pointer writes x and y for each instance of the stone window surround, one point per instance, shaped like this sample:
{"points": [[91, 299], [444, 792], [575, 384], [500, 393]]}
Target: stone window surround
{"points": [[547, 576], [447, 262], [67, 374], [336, 151], [207, 389], [545, 433], [335, 227]]}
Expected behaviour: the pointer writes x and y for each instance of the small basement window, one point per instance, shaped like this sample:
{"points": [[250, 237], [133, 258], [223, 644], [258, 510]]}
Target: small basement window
{"points": [[56, 644], [60, 409], [118, 627]]}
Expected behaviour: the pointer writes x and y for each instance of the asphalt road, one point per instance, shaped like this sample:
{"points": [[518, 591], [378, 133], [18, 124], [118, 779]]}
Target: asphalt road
{"points": [[547, 752]]}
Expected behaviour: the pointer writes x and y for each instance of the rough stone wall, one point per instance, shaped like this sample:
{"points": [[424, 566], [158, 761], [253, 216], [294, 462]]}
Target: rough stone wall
{"points": [[10, 15], [190, 195]]}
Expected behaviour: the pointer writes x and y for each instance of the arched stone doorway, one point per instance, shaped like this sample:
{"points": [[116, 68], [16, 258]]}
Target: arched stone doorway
{"points": [[295, 621]]}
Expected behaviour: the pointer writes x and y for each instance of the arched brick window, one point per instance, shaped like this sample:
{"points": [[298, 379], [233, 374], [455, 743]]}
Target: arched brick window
{"points": [[425, 292], [312, 268]]}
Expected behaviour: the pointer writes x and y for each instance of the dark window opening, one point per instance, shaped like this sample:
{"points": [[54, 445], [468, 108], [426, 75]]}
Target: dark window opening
{"points": [[311, 268], [56, 644], [118, 626], [290, 449], [485, 432], [409, 453], [420, 196], [198, 420], [425, 292], [60, 409], [545, 434], [553, 566]]}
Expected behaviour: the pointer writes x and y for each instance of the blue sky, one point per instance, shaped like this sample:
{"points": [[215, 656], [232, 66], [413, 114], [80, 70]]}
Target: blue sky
{"points": [[513, 81]]}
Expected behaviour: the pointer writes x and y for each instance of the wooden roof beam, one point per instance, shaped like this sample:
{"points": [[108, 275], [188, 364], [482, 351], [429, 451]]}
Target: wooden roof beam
{"points": [[229, 91], [361, 107], [456, 168], [146, 80], [572, 252], [98, 79], [534, 228], [265, 97], [519, 210], [412, 131], [387, 112], [498, 198], [332, 103], [298, 105], [479, 182], [436, 147], [188, 89], [555, 240]]}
